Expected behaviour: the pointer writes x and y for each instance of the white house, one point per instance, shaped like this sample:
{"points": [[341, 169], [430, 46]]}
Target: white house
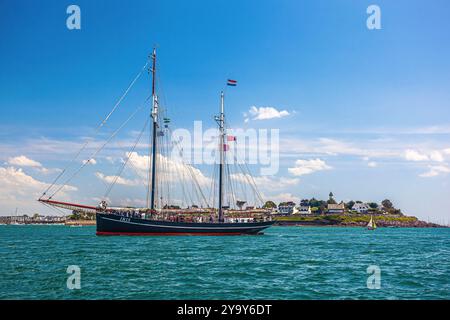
{"points": [[288, 208], [304, 209], [361, 207]]}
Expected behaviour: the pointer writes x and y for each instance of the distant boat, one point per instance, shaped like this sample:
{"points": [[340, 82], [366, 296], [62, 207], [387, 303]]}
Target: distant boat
{"points": [[15, 221], [371, 225]]}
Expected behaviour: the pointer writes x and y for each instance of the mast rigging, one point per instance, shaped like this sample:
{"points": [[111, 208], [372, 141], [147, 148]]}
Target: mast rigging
{"points": [[222, 133], [154, 115]]}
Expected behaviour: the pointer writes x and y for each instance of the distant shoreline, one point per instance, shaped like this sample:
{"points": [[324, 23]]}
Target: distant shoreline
{"points": [[336, 220], [80, 223], [355, 220]]}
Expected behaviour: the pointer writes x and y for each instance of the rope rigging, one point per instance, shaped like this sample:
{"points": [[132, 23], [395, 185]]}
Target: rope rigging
{"points": [[174, 176], [102, 123], [85, 163], [129, 155], [237, 179]]}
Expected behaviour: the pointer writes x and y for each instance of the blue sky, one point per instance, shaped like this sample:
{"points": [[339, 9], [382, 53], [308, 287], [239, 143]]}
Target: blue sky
{"points": [[372, 104]]}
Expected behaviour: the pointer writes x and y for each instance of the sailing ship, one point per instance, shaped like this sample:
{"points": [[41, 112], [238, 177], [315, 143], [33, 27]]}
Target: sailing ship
{"points": [[371, 225], [168, 219]]}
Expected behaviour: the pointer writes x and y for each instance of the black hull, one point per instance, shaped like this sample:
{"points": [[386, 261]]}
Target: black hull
{"points": [[111, 224]]}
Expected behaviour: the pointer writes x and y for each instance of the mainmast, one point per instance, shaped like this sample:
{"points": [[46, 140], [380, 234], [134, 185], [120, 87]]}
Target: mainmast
{"points": [[221, 121], [154, 115]]}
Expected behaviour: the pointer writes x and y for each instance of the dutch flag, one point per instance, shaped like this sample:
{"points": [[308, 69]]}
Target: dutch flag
{"points": [[232, 83]]}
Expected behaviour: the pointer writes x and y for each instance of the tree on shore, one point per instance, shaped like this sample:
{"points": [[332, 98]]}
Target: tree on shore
{"points": [[315, 210], [287, 203], [269, 205], [386, 203], [319, 204], [350, 204], [304, 202], [373, 205], [389, 207]]}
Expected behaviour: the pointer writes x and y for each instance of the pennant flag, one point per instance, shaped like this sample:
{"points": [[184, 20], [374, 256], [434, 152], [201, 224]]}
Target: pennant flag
{"points": [[232, 83], [231, 138]]}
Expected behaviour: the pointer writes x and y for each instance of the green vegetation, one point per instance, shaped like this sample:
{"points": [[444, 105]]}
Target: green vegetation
{"points": [[79, 215], [269, 205], [373, 205], [321, 207], [346, 219]]}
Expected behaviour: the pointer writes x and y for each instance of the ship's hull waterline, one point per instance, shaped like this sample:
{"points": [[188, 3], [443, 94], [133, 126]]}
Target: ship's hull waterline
{"points": [[113, 225]]}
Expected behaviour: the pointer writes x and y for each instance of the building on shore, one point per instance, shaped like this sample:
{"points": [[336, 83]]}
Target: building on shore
{"points": [[361, 207], [287, 208], [35, 219], [304, 209], [336, 208]]}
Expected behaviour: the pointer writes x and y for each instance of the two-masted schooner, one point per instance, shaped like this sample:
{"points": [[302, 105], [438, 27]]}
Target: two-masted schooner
{"points": [[169, 220]]}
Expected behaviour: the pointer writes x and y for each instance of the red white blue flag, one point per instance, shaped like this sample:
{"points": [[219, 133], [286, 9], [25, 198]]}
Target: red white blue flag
{"points": [[231, 138], [232, 83]]}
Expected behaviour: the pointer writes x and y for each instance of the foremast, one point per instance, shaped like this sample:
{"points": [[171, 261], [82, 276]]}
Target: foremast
{"points": [[154, 115]]}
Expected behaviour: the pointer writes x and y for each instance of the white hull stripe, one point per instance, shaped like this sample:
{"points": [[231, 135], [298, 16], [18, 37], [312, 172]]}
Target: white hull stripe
{"points": [[180, 227]]}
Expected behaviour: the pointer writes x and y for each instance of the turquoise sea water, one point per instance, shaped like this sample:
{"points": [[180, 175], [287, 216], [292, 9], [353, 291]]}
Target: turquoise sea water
{"points": [[285, 263]]}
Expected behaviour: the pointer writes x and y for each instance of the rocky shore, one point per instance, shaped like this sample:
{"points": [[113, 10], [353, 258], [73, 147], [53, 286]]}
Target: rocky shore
{"points": [[357, 220], [80, 223]]}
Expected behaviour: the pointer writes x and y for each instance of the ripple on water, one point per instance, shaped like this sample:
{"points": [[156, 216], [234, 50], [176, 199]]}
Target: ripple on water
{"points": [[286, 263]]}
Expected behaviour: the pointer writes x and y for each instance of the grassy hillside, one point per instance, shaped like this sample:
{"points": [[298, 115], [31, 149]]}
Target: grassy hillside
{"points": [[353, 220]]}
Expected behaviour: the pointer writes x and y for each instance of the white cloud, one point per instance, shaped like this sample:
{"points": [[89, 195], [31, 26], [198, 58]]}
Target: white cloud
{"points": [[47, 171], [303, 167], [266, 182], [118, 180], [366, 149], [172, 170], [414, 155], [129, 202], [17, 189], [111, 159], [433, 155], [282, 197], [435, 171], [178, 177], [372, 164], [23, 161], [436, 156], [265, 113], [91, 161], [326, 146]]}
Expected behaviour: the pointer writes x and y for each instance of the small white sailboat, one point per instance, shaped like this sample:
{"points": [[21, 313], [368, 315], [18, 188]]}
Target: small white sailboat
{"points": [[371, 225], [15, 219]]}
